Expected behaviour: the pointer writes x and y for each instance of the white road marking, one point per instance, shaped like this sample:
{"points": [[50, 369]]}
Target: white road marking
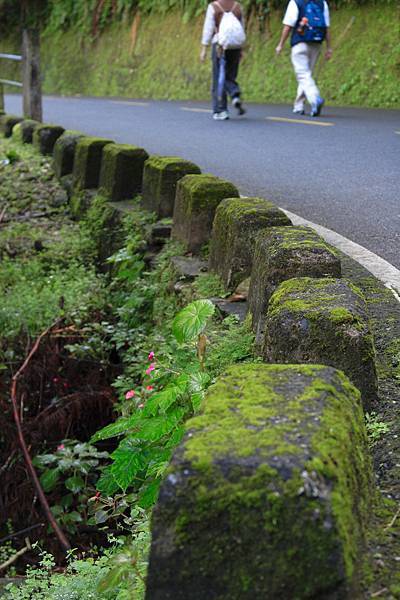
{"points": [[302, 121], [130, 102], [200, 110], [379, 267]]}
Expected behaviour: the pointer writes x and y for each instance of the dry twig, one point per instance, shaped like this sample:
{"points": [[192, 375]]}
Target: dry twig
{"points": [[42, 498]]}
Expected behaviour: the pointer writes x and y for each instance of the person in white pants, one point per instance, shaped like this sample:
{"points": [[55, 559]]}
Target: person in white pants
{"points": [[304, 56]]}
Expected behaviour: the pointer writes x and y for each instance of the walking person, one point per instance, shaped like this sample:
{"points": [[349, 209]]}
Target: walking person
{"points": [[308, 23], [224, 29]]}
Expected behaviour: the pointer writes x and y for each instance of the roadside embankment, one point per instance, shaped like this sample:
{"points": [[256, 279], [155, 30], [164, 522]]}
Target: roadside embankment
{"points": [[156, 56], [290, 447]]}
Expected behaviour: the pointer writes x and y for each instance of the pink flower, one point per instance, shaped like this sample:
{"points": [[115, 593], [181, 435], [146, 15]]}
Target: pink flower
{"points": [[149, 388], [150, 368], [151, 355], [130, 394], [61, 447], [141, 405]]}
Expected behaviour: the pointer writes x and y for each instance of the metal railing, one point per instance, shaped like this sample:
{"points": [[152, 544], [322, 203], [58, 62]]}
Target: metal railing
{"points": [[30, 72], [15, 57]]}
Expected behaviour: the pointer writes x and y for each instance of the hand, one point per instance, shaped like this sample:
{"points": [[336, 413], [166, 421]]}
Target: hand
{"points": [[328, 53], [278, 49], [203, 53]]}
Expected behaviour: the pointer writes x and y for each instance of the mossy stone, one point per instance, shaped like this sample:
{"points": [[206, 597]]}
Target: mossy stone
{"points": [[87, 162], [121, 171], [282, 253], [80, 201], [322, 321], [197, 198], [23, 131], [160, 176], [268, 495], [7, 123], [64, 152], [45, 136], [236, 224]]}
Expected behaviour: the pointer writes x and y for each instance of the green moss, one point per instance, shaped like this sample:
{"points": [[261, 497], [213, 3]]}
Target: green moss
{"points": [[274, 467], [122, 171], [45, 136], [87, 163], [172, 163], [209, 285], [205, 192]]}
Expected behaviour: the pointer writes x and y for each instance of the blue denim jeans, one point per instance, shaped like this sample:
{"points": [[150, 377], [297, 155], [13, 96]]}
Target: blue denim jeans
{"points": [[232, 88]]}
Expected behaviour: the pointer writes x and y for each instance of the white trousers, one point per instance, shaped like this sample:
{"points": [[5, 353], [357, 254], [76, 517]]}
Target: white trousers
{"points": [[304, 57]]}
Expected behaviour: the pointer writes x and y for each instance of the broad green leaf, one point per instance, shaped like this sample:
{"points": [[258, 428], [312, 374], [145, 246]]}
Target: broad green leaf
{"points": [[191, 321], [149, 494], [161, 401], [128, 462], [155, 428], [117, 428], [176, 437], [49, 479], [75, 484], [107, 484]]}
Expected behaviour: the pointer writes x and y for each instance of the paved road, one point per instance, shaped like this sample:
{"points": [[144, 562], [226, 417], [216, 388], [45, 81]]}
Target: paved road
{"points": [[344, 175]]}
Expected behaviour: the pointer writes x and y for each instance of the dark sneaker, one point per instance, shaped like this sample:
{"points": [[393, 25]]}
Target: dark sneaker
{"points": [[236, 103], [316, 108]]}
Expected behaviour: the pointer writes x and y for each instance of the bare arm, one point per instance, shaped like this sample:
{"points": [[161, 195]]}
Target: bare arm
{"points": [[329, 50], [284, 36]]}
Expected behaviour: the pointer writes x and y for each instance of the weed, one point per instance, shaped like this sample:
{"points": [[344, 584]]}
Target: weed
{"points": [[375, 428]]}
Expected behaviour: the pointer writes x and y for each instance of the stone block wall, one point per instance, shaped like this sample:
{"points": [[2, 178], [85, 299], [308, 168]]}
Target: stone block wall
{"points": [[236, 225], [197, 198], [121, 171], [267, 497], [269, 494], [45, 136], [160, 177], [282, 253]]}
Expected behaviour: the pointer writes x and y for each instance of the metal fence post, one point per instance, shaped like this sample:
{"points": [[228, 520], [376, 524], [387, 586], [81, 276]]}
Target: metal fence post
{"points": [[32, 87]]}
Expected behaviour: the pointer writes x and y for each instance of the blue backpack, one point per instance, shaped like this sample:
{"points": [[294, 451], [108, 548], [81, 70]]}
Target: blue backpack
{"points": [[310, 26]]}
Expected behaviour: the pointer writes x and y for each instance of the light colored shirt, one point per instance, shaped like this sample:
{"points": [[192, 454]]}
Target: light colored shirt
{"points": [[292, 14], [210, 27]]}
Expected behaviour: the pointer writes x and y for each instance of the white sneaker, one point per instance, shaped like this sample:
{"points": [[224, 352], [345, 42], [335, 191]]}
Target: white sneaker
{"points": [[221, 116]]}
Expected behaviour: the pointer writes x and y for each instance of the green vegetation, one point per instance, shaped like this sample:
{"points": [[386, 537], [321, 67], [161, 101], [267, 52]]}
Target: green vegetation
{"points": [[156, 55], [53, 268]]}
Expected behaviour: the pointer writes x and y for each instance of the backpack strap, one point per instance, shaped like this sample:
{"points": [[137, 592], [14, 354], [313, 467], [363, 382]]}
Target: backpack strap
{"points": [[236, 10]]}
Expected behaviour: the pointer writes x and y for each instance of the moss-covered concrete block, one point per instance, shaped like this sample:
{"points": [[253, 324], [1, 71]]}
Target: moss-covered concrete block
{"points": [[23, 131], [87, 162], [236, 224], [268, 495], [280, 254], [160, 176], [322, 321], [197, 198], [45, 136], [64, 152], [7, 123], [121, 171]]}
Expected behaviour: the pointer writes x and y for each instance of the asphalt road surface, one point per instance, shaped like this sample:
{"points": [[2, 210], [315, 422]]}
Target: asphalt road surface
{"points": [[341, 170]]}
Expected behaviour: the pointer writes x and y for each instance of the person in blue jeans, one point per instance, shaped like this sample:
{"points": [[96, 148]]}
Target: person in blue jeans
{"points": [[232, 58]]}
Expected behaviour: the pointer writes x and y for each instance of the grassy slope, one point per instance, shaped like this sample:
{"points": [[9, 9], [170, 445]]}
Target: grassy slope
{"points": [[163, 63]]}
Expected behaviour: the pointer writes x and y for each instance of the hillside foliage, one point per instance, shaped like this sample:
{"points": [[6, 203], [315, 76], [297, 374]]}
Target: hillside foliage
{"points": [[96, 15]]}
